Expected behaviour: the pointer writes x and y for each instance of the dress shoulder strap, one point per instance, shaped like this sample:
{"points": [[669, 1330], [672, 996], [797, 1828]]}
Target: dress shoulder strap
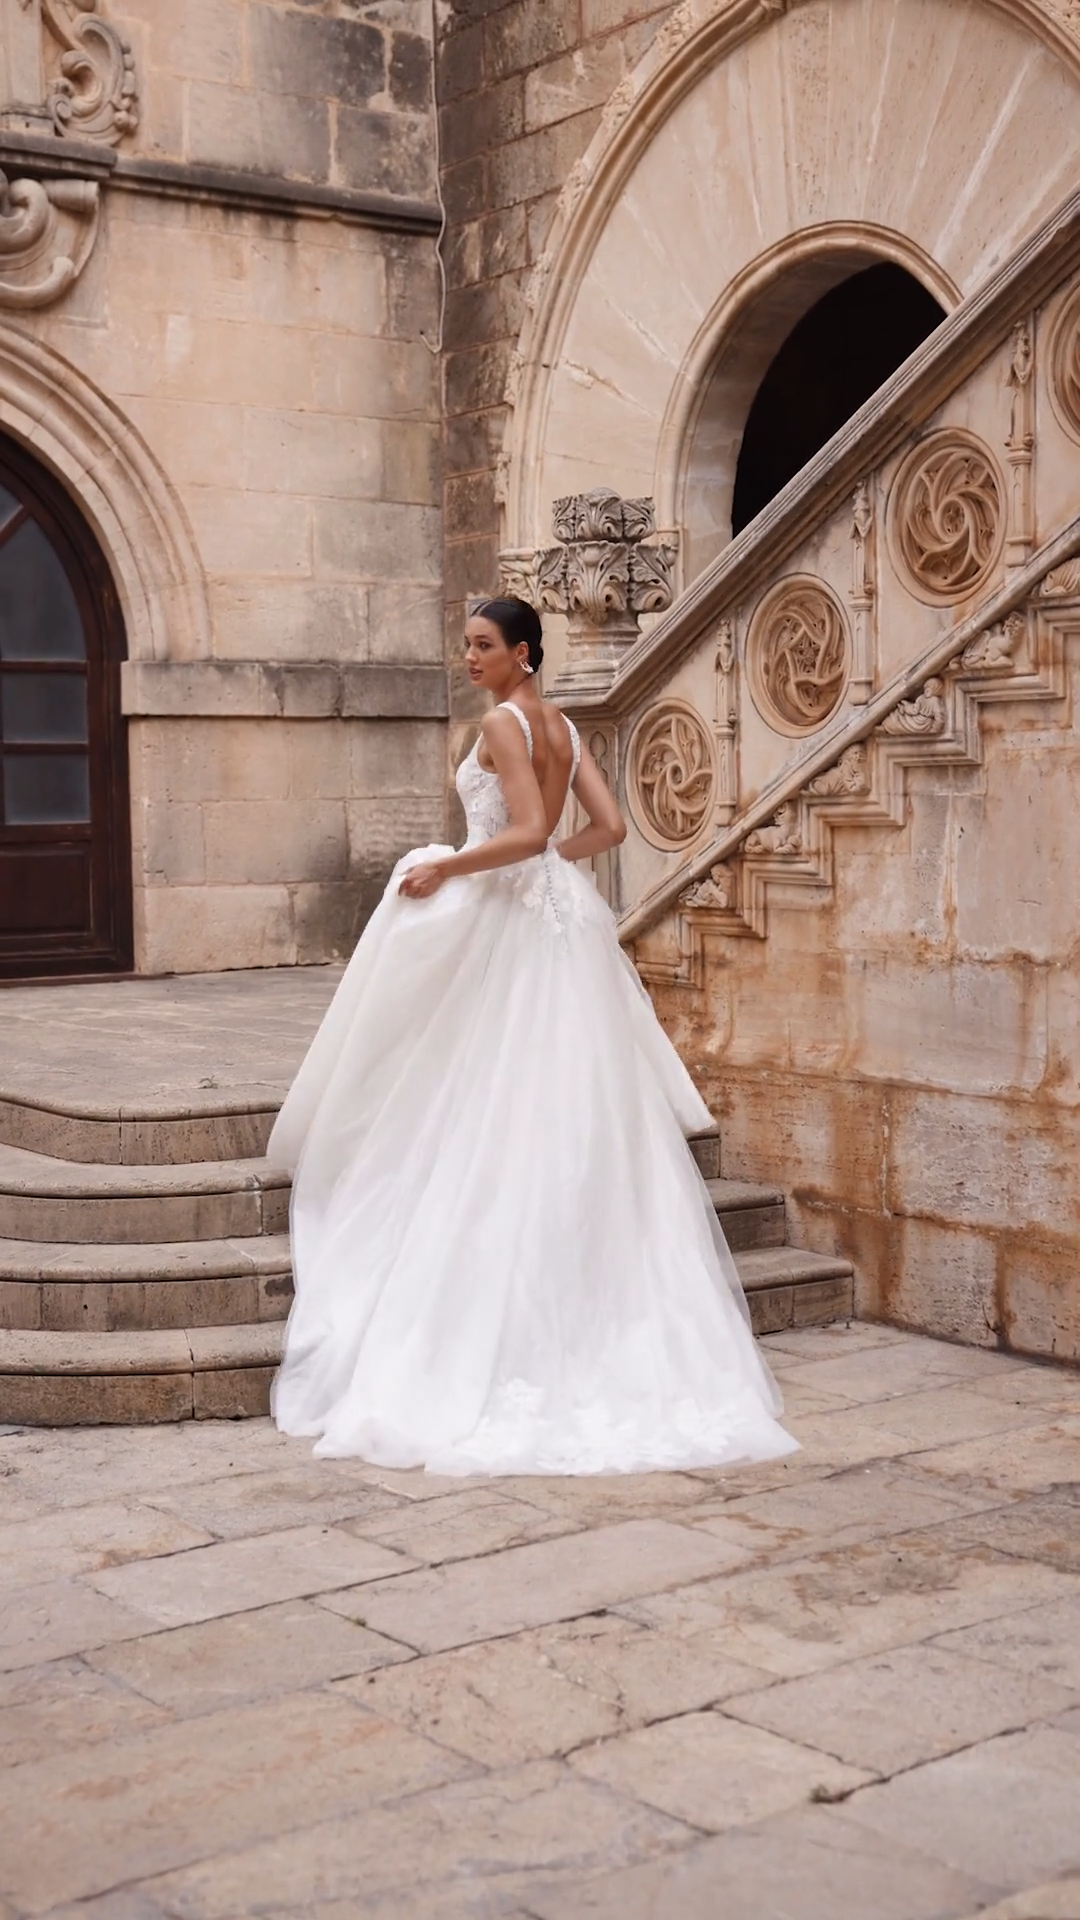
{"points": [[518, 715], [575, 743]]}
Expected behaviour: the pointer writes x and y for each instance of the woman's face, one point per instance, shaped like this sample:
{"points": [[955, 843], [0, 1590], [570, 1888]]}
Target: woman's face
{"points": [[490, 662]]}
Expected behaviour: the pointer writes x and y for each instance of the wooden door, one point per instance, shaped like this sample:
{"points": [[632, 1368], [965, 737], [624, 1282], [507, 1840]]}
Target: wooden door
{"points": [[65, 849]]}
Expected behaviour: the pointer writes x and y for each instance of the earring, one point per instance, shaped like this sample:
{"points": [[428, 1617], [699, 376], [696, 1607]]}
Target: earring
{"points": [[525, 667]]}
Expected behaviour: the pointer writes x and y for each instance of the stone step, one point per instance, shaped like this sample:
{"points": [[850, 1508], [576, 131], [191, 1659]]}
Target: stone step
{"points": [[751, 1216], [233, 1124], [59, 1288], [43, 1198], [789, 1287], [137, 1379], [59, 1285]]}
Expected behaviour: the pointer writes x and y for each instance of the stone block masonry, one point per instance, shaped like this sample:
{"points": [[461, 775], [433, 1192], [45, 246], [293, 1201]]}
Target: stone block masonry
{"points": [[520, 89], [260, 309]]}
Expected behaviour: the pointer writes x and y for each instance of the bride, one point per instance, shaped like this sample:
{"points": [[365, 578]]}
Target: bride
{"points": [[506, 1259]]}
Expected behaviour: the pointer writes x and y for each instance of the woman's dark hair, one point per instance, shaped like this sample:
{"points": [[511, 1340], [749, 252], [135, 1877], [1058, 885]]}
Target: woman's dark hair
{"points": [[518, 623]]}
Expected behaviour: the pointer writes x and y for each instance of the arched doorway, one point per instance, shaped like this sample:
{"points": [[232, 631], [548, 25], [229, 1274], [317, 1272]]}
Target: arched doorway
{"points": [[65, 853], [837, 355]]}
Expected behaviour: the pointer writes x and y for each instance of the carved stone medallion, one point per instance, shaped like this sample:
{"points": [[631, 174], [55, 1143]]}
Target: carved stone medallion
{"points": [[798, 654], [1065, 366], [947, 517], [672, 775]]}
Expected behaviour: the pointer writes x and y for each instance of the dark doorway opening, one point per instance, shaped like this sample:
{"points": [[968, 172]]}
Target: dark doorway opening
{"points": [[835, 358], [65, 844]]}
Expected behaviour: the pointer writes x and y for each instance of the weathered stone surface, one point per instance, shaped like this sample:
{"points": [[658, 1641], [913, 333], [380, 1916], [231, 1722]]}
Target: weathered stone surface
{"points": [[530, 1586], [239, 1574], [713, 1772], [812, 1614], [500, 1832], [220, 1663], [898, 1709], [274, 1755], [538, 1694], [51, 1709], [1004, 1810], [85, 1539], [219, 1780], [1040, 1640], [811, 1864]]}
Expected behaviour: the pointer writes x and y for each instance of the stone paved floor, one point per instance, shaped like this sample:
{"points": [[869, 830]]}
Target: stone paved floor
{"points": [[236, 1681], [118, 1042]]}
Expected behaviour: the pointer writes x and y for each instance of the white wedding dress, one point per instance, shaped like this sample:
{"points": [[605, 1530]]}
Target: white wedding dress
{"points": [[506, 1259]]}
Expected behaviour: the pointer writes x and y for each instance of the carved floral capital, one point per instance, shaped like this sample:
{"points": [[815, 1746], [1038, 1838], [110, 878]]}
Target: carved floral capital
{"points": [[602, 573]]}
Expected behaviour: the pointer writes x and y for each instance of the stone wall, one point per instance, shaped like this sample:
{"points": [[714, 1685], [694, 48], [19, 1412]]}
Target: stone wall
{"points": [[259, 313], [895, 1039], [521, 89], [907, 1057]]}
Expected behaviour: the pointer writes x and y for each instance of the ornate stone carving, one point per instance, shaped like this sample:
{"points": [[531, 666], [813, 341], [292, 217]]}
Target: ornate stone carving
{"points": [[716, 891], [995, 649], [517, 574], [863, 593], [725, 722], [672, 775], [781, 835], [1020, 445], [1062, 583], [947, 516], [850, 775], [94, 95], [799, 655], [47, 233], [925, 715], [1065, 366], [603, 576]]}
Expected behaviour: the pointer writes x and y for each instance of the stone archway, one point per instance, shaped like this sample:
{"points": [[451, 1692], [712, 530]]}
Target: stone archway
{"points": [[101, 460], [773, 126]]}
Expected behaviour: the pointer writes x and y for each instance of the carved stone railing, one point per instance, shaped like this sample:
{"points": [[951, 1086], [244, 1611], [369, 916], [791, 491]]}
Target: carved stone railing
{"points": [[925, 562]]}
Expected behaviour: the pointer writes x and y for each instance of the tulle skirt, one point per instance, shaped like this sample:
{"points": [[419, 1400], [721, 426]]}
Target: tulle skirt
{"points": [[506, 1260]]}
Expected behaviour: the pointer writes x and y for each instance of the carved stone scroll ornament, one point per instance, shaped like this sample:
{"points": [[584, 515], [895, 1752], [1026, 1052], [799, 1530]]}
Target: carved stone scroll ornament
{"points": [[947, 517], [799, 656], [716, 892], [47, 233], [672, 777], [94, 95], [603, 576], [923, 716], [1065, 366]]}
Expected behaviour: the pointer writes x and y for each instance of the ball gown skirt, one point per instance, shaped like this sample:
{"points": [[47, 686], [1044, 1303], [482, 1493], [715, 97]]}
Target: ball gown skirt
{"points": [[506, 1259]]}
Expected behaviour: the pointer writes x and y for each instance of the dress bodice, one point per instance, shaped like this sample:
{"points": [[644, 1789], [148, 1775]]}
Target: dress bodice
{"points": [[481, 793]]}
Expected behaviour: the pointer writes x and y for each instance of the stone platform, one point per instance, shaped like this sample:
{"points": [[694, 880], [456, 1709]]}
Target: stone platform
{"points": [[145, 1269], [236, 1681], [154, 1071]]}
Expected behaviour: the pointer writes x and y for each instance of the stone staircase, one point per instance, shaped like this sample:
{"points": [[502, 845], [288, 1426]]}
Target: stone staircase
{"points": [[156, 1289]]}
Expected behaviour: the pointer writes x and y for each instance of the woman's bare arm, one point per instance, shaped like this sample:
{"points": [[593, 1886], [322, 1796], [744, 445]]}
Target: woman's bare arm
{"points": [[527, 833], [606, 827]]}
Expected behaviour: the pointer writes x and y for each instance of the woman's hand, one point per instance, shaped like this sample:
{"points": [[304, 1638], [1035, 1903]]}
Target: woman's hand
{"points": [[422, 881]]}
